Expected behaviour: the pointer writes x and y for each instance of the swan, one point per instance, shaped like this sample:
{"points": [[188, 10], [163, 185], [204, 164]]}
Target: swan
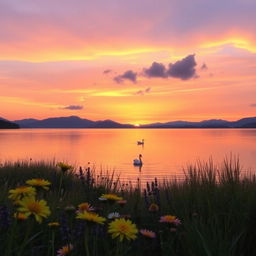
{"points": [[140, 142], [138, 162]]}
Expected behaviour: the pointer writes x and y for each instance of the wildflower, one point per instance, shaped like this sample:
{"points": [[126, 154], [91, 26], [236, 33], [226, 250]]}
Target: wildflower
{"points": [[53, 224], [85, 207], [39, 183], [110, 197], [113, 215], [65, 250], [30, 206], [91, 217], [148, 233], [167, 219], [64, 167], [176, 222], [70, 208], [121, 202], [19, 192], [20, 216], [153, 208], [123, 229], [103, 199]]}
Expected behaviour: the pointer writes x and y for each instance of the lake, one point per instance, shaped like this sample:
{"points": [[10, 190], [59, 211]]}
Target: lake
{"points": [[165, 152]]}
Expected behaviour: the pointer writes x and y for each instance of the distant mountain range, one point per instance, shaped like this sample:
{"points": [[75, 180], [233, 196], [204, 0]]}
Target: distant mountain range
{"points": [[77, 122], [5, 124], [248, 122], [69, 122]]}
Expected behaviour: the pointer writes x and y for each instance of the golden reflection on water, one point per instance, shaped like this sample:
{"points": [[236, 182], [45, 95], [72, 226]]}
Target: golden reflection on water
{"points": [[165, 152]]}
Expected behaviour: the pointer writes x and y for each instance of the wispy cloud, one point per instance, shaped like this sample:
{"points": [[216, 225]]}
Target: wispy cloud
{"points": [[143, 92], [73, 107], [107, 71]]}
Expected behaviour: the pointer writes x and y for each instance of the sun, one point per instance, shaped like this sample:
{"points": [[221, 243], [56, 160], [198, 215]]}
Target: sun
{"points": [[137, 125]]}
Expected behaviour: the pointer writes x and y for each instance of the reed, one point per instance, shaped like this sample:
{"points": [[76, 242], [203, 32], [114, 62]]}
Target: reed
{"points": [[210, 212]]}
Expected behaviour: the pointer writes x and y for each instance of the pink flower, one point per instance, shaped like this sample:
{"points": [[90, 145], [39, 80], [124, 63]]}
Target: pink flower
{"points": [[167, 219], [65, 250], [148, 233]]}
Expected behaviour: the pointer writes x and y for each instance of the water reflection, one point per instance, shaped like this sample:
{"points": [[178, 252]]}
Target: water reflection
{"points": [[165, 151]]}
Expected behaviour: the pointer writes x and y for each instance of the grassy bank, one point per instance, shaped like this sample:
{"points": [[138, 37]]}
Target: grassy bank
{"points": [[211, 212]]}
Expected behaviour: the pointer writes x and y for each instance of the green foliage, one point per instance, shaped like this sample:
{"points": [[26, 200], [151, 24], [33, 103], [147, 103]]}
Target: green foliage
{"points": [[216, 206]]}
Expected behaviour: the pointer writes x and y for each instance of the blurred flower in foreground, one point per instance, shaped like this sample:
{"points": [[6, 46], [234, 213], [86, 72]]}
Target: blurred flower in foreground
{"points": [[153, 208], [123, 229], [53, 224], [40, 183], [148, 233], [20, 216], [65, 250], [85, 207], [91, 217], [30, 206], [111, 197], [170, 219], [64, 167], [19, 192]]}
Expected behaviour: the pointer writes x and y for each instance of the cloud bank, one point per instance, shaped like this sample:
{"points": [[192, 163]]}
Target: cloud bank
{"points": [[183, 69]]}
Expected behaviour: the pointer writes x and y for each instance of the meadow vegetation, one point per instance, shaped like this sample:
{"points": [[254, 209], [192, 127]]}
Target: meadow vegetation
{"points": [[53, 209]]}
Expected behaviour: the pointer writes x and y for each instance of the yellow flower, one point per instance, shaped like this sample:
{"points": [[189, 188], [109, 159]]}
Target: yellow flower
{"points": [[39, 183], [123, 229], [91, 217], [111, 197], [148, 233], [85, 207], [53, 224], [30, 206], [153, 208], [64, 167], [19, 192], [65, 250], [20, 216], [167, 219]]}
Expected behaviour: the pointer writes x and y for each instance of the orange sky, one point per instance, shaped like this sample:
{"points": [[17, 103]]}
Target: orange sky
{"points": [[53, 58]]}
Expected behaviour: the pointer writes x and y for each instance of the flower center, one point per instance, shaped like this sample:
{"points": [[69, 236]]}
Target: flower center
{"points": [[34, 207], [123, 228]]}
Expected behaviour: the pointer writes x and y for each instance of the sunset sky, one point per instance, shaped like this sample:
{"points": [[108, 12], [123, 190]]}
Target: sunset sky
{"points": [[130, 61]]}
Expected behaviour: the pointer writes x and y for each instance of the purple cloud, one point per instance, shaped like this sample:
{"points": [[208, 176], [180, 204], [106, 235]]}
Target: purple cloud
{"points": [[143, 92], [183, 69], [156, 70], [204, 67], [128, 75], [107, 71], [253, 105], [73, 107]]}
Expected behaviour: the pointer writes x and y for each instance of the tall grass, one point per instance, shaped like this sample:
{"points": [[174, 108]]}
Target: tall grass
{"points": [[215, 203]]}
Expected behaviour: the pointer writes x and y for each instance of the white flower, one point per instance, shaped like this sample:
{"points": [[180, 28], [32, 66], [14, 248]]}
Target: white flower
{"points": [[103, 199], [113, 215], [177, 222]]}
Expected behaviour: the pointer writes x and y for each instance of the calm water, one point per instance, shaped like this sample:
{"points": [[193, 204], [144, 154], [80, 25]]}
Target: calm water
{"points": [[165, 151]]}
